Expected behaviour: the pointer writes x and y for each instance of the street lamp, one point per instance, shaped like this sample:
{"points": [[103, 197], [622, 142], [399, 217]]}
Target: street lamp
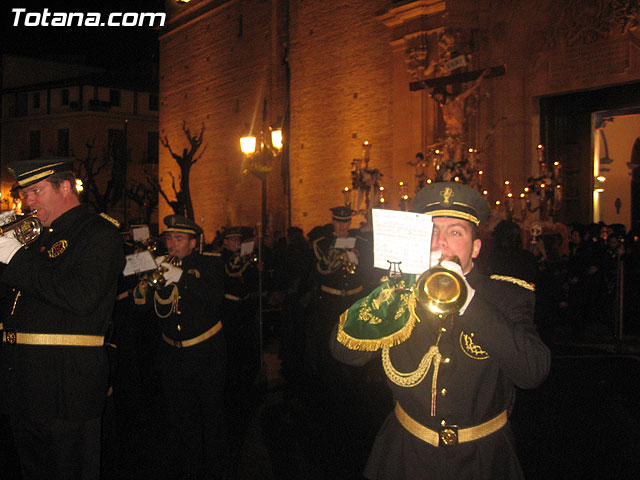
{"points": [[259, 162]]}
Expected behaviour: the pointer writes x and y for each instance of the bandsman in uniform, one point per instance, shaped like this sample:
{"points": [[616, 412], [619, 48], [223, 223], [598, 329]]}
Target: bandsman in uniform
{"points": [[54, 358], [241, 323], [343, 270], [453, 377], [192, 356], [241, 304]]}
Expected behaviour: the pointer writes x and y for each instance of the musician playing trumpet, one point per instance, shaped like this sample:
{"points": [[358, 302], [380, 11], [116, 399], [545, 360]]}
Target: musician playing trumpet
{"points": [[192, 356], [452, 373], [54, 358]]}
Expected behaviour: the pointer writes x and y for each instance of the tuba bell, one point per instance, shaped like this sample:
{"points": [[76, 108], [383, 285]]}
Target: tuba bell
{"points": [[26, 229], [441, 291]]}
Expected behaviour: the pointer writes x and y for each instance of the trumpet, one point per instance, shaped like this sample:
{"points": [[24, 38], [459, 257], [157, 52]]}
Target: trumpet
{"points": [[441, 291], [26, 229], [155, 278]]}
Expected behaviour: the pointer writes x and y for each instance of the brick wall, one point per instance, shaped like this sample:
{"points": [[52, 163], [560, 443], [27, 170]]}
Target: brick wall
{"points": [[340, 96], [217, 71]]}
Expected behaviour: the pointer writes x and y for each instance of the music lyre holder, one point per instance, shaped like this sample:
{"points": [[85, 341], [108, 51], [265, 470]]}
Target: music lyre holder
{"points": [[394, 273]]}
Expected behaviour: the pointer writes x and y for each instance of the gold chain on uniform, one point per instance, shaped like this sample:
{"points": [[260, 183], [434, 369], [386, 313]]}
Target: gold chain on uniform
{"points": [[173, 300], [13, 309], [412, 379]]}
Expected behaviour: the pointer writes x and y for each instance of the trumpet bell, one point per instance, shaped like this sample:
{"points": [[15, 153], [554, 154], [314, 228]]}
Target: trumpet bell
{"points": [[26, 229], [441, 291]]}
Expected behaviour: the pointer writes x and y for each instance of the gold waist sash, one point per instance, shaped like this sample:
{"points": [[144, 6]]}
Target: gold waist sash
{"points": [[449, 435], [342, 293], [195, 340], [52, 339]]}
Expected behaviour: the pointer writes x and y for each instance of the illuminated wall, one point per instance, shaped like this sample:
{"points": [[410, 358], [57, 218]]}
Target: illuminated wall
{"points": [[349, 82]]}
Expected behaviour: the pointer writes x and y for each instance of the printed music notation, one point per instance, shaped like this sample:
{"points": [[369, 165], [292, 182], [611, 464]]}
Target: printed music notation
{"points": [[402, 237]]}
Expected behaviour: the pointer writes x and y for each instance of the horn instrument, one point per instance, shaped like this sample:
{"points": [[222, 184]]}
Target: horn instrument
{"points": [[26, 229], [441, 291]]}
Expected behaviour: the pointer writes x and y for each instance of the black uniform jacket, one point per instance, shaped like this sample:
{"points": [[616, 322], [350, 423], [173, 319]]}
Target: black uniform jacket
{"points": [[485, 352], [241, 275], [201, 291], [334, 268], [64, 283]]}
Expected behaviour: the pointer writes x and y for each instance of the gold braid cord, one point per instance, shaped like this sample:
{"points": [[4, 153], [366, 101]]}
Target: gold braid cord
{"points": [[412, 379], [172, 299], [515, 281]]}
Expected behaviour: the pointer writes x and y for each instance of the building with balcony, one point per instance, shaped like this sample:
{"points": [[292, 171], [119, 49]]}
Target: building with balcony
{"points": [[58, 109]]}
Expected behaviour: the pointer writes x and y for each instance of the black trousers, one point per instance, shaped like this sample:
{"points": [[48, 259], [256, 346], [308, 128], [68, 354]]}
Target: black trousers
{"points": [[57, 449], [193, 381]]}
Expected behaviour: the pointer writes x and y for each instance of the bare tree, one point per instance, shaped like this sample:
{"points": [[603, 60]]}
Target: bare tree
{"points": [[111, 163], [183, 205], [145, 195]]}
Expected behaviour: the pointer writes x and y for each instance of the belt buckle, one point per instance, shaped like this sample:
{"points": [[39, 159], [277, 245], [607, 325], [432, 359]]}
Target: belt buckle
{"points": [[177, 343], [10, 336], [448, 436]]}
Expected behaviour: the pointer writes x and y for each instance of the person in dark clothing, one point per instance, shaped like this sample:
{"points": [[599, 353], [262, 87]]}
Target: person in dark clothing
{"points": [[343, 272], [192, 357], [507, 257], [453, 377], [293, 279], [63, 292]]}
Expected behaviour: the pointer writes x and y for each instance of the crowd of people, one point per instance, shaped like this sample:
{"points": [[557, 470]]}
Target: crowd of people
{"points": [[584, 275], [194, 329]]}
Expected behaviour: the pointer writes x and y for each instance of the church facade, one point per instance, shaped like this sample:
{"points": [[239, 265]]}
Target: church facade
{"points": [[508, 89]]}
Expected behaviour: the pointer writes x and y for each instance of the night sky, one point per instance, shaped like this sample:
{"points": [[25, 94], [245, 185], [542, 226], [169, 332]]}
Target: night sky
{"points": [[112, 47]]}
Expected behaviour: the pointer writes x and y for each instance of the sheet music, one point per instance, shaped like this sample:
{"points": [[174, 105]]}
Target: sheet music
{"points": [[246, 248], [140, 234], [346, 243], [139, 262], [402, 237]]}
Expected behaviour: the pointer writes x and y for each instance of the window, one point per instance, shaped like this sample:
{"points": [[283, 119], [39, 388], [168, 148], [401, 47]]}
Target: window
{"points": [[152, 147], [153, 102], [34, 144], [36, 100], [114, 97], [115, 144], [63, 142], [65, 96], [21, 104]]}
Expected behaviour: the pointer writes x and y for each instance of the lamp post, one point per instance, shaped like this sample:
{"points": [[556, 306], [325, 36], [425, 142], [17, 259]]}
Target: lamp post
{"points": [[259, 160], [259, 163]]}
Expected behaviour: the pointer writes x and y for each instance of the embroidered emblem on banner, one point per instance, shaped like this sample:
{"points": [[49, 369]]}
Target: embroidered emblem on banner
{"points": [[470, 348], [57, 248], [194, 272]]}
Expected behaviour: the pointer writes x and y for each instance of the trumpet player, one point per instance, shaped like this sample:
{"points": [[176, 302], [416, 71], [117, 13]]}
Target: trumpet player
{"points": [[343, 270], [192, 355], [453, 376], [54, 360]]}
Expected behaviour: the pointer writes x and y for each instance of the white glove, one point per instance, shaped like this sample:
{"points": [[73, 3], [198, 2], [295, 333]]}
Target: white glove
{"points": [[172, 274], [454, 267], [435, 258], [9, 245]]}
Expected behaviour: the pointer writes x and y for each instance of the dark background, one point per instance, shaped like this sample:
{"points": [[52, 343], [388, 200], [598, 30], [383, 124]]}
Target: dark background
{"points": [[111, 47]]}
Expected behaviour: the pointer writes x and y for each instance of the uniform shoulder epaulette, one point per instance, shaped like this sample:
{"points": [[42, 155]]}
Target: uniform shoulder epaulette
{"points": [[111, 220], [515, 281]]}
